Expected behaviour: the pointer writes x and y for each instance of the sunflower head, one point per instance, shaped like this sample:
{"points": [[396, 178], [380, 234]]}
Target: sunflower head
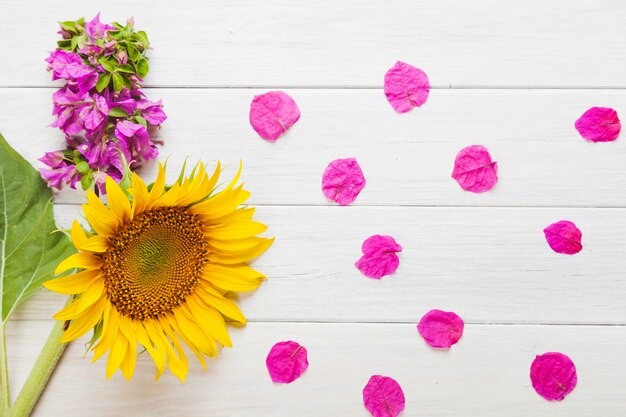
{"points": [[156, 268]]}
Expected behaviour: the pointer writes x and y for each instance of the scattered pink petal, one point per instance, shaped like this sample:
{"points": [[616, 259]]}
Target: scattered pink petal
{"points": [[474, 170], [553, 375], [564, 237], [271, 114], [383, 396], [441, 329], [343, 180], [599, 124], [406, 87], [286, 361], [379, 256]]}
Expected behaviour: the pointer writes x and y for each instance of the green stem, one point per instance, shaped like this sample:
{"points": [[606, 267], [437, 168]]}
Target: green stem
{"points": [[5, 392], [39, 375]]}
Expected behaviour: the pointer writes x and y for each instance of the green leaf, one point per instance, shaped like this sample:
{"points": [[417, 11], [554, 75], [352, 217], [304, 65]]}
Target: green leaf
{"points": [[30, 245], [132, 52], [83, 167], [142, 37], [141, 121], [126, 68], [69, 26], [65, 43], [118, 112], [103, 81], [86, 181], [142, 68], [107, 64], [118, 82]]}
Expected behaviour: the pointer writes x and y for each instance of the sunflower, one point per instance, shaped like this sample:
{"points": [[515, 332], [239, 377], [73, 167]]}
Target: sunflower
{"points": [[156, 269]]}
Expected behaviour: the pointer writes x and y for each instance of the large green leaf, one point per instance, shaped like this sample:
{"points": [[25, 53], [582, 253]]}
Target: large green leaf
{"points": [[30, 245]]}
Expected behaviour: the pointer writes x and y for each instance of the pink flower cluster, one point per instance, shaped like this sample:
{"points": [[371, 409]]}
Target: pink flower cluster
{"points": [[107, 121]]}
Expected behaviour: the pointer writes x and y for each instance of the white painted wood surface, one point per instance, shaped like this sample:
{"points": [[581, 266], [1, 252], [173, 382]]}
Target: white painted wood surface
{"points": [[513, 76]]}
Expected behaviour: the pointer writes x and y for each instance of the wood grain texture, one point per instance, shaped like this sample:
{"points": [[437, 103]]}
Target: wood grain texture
{"points": [[407, 159], [344, 44], [485, 374], [490, 265]]}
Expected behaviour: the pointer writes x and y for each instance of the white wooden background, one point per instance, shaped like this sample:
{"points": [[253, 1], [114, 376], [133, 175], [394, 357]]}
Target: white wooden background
{"points": [[510, 75]]}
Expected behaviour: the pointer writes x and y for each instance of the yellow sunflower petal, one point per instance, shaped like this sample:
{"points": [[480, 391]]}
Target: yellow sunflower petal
{"points": [[234, 216], [197, 336], [118, 202], [237, 230], [99, 216], [235, 257], [157, 188], [67, 312], [189, 343], [222, 203], [128, 329], [212, 320], [92, 294], [72, 284], [85, 322], [140, 194], [79, 260], [223, 305], [79, 238], [170, 198], [176, 363], [110, 326], [116, 354], [158, 356], [233, 278], [95, 244]]}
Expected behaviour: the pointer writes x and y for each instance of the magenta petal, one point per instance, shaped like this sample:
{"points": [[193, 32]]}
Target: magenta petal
{"points": [[599, 124], [441, 329], [271, 114], [406, 87], [553, 375], [286, 361], [383, 396], [474, 170], [564, 237], [379, 256], [343, 180]]}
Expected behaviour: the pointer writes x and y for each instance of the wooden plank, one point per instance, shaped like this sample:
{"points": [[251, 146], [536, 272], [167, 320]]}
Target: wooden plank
{"points": [[348, 43], [491, 265], [485, 374], [407, 159]]}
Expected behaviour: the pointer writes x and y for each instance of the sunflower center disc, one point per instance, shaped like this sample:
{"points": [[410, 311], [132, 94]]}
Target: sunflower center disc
{"points": [[153, 262]]}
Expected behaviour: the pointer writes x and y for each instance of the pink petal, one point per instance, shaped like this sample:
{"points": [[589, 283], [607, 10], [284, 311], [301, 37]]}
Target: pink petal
{"points": [[441, 329], [474, 170], [286, 361], [564, 237], [406, 87], [343, 180], [271, 114], [379, 256], [553, 375], [599, 124], [383, 396]]}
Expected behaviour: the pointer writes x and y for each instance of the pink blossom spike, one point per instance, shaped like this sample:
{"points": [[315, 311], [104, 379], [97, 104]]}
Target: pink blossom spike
{"points": [[599, 124], [474, 170], [553, 375], [441, 329], [272, 114], [379, 256], [286, 361], [564, 237], [383, 396], [343, 180], [406, 87]]}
